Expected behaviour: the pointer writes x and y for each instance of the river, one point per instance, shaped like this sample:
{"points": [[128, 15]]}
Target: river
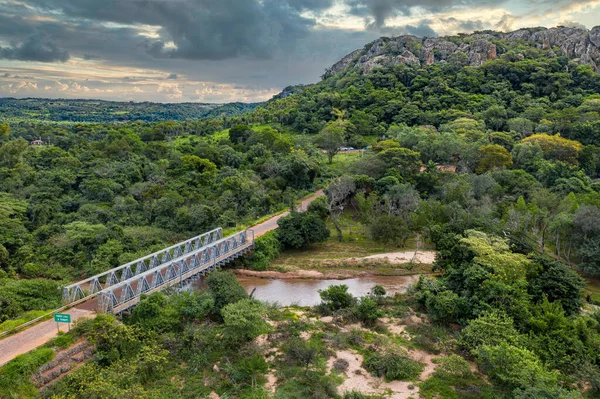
{"points": [[305, 292]]}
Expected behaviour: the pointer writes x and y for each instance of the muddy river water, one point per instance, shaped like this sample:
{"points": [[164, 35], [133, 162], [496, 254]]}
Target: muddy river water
{"points": [[305, 292]]}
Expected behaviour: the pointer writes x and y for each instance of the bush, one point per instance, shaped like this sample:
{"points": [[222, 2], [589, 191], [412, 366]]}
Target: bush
{"points": [[299, 230], [337, 297], [244, 321], [491, 328], [340, 364], [513, 368], [225, 289], [319, 207], [444, 307], [367, 311], [266, 248], [393, 366], [453, 366]]}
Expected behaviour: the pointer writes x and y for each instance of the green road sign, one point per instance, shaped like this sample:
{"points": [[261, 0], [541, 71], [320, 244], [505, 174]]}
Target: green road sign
{"points": [[62, 318]]}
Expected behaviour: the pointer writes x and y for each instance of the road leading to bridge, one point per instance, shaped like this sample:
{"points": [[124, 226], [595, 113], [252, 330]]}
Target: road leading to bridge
{"points": [[271, 224], [37, 335]]}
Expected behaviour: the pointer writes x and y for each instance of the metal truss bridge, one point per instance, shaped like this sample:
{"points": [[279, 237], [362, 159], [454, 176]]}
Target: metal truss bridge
{"points": [[120, 288]]}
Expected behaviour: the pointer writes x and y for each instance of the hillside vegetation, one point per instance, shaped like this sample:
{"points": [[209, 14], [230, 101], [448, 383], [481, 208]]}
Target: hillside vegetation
{"points": [[65, 110]]}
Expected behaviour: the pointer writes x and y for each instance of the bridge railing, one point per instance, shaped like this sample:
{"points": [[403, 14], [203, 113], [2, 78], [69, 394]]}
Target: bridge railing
{"points": [[92, 286], [126, 294]]}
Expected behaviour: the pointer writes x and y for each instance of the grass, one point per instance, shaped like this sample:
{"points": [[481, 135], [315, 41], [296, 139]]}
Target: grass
{"points": [[15, 376], [333, 254], [341, 163], [24, 318], [593, 290], [454, 380]]}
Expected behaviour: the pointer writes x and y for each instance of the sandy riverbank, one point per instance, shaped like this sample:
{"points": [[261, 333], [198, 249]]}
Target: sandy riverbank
{"points": [[393, 258]]}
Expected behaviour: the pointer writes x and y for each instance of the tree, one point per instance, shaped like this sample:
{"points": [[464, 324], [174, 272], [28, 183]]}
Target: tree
{"points": [[299, 230], [239, 133], [557, 282], [556, 147], [4, 257], [523, 126], [225, 289], [407, 162], [390, 229], [514, 368], [331, 138], [4, 131], [244, 320], [338, 194], [495, 117], [493, 157]]}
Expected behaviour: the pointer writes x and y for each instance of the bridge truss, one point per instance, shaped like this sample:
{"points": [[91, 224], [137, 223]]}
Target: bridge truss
{"points": [[93, 286], [126, 294]]}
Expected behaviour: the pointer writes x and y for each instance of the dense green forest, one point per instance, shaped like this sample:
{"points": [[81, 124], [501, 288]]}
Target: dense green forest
{"points": [[495, 166], [65, 110], [102, 195]]}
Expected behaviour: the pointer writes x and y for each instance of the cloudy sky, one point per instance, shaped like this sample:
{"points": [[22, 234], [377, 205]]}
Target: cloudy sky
{"points": [[225, 50]]}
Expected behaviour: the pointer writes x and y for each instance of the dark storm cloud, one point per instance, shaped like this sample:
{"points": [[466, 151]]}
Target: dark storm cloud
{"points": [[203, 29], [464, 26], [421, 30], [378, 11], [36, 47]]}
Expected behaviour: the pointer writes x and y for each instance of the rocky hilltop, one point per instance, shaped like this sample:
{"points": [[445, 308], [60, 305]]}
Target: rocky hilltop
{"points": [[581, 45]]}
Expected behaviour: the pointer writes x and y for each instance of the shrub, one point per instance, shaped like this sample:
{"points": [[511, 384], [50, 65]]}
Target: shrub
{"points": [[444, 307], [266, 248], [340, 364], [367, 311], [15, 376], [225, 289], [299, 230], [491, 328], [453, 366], [337, 297], [514, 368], [393, 365], [244, 321]]}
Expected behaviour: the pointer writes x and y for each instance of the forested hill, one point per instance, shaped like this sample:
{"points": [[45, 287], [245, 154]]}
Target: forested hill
{"points": [[64, 110], [537, 79]]}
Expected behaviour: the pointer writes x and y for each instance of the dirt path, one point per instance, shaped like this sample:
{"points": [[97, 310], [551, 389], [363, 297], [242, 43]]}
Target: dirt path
{"points": [[37, 335], [271, 224]]}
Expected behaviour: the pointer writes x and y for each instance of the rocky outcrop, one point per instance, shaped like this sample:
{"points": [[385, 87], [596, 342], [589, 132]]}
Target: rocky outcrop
{"points": [[581, 45]]}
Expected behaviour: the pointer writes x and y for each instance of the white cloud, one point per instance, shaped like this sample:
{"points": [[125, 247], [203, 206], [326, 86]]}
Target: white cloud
{"points": [[171, 90]]}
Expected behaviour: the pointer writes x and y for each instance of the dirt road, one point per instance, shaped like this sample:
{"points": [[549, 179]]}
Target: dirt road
{"points": [[37, 335], [271, 224]]}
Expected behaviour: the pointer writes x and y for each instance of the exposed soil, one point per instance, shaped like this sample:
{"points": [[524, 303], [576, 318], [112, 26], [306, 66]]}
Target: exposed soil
{"points": [[307, 274], [359, 379], [401, 258]]}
